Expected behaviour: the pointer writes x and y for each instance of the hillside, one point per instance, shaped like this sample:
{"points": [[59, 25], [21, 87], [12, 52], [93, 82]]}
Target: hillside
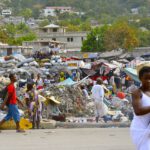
{"points": [[92, 7]]}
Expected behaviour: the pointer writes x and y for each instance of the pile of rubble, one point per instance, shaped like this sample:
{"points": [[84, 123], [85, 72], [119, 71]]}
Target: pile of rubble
{"points": [[71, 98], [72, 101]]}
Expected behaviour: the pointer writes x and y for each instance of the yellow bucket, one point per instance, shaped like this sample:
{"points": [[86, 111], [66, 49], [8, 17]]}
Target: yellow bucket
{"points": [[24, 124]]}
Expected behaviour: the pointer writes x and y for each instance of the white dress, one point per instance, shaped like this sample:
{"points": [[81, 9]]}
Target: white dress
{"points": [[140, 127]]}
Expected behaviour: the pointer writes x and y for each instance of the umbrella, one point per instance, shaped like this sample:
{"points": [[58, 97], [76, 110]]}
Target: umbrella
{"points": [[132, 73]]}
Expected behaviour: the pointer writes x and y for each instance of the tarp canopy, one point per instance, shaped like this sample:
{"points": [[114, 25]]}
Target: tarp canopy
{"points": [[132, 73], [67, 82], [89, 72], [146, 55], [111, 66]]}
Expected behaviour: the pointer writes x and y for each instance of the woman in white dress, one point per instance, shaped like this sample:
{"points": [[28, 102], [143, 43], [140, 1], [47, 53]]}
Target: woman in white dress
{"points": [[140, 126]]}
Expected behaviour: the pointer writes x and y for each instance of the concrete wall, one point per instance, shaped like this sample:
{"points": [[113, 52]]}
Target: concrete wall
{"points": [[72, 39], [140, 51]]}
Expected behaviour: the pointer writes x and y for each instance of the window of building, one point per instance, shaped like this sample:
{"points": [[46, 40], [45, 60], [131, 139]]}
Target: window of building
{"points": [[54, 39], [82, 39], [55, 30], [70, 39]]}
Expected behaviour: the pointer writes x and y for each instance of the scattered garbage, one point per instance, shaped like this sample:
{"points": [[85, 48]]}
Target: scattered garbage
{"points": [[63, 100]]}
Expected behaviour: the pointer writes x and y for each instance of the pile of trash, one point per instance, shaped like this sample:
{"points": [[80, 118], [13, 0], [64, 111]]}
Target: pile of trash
{"points": [[71, 98], [72, 101]]}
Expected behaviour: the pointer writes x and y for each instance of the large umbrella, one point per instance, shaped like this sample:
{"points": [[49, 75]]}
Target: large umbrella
{"points": [[132, 73]]}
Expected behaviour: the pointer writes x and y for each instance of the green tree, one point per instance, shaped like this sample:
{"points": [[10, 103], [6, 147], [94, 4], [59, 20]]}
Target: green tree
{"points": [[3, 35], [95, 40], [11, 29], [121, 35], [18, 41], [26, 13], [71, 27], [44, 23], [144, 38], [22, 28], [145, 22], [16, 34], [85, 26]]}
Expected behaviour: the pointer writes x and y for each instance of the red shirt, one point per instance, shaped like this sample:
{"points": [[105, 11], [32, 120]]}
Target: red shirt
{"points": [[12, 94]]}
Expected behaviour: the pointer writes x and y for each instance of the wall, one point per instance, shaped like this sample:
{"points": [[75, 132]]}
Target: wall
{"points": [[140, 51], [72, 39]]}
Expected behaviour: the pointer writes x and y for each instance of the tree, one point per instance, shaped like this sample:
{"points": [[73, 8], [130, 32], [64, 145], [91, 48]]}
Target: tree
{"points": [[26, 13], [85, 26], [3, 35], [145, 22], [18, 41], [95, 40], [144, 38], [22, 28], [121, 35], [73, 28], [16, 34], [44, 23], [11, 29]]}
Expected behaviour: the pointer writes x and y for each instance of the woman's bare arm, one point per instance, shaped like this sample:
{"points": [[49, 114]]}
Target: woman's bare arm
{"points": [[137, 104]]}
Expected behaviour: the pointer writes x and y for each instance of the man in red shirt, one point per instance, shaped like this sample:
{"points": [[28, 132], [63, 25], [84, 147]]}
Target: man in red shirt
{"points": [[11, 99]]}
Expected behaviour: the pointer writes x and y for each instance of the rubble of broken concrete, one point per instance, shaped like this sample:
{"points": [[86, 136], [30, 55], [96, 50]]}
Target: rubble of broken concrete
{"points": [[73, 104]]}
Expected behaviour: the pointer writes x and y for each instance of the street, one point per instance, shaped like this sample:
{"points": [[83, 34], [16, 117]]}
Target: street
{"points": [[67, 139]]}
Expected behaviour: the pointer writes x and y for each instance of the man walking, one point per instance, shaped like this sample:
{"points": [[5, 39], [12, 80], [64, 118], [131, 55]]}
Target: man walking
{"points": [[98, 96], [11, 101]]}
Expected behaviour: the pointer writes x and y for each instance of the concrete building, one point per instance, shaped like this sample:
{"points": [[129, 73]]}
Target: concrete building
{"points": [[53, 32], [15, 20], [6, 12], [135, 11], [45, 45], [52, 11], [31, 23], [7, 50]]}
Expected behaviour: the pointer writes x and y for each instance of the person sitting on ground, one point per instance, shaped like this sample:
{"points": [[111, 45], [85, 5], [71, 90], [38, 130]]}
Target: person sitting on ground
{"points": [[11, 99]]}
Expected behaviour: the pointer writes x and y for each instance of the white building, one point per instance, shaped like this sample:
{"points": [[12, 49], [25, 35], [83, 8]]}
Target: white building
{"points": [[51, 11], [135, 11], [15, 20], [6, 12]]}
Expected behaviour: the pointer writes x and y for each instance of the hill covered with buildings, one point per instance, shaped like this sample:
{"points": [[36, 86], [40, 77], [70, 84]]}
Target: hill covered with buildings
{"points": [[94, 8]]}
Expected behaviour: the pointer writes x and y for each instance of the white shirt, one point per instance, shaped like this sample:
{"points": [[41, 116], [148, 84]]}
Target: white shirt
{"points": [[39, 82], [85, 93], [97, 93], [47, 81]]}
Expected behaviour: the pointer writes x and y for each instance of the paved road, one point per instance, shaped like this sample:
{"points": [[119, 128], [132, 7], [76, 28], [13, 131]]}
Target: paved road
{"points": [[67, 139]]}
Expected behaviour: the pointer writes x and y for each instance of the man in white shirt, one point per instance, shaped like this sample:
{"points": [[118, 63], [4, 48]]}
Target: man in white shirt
{"points": [[98, 96]]}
